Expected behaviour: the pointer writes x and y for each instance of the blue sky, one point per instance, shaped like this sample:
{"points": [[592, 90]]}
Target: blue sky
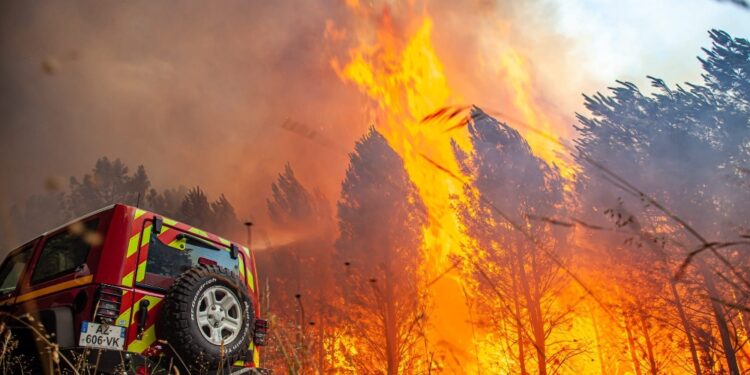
{"points": [[628, 39]]}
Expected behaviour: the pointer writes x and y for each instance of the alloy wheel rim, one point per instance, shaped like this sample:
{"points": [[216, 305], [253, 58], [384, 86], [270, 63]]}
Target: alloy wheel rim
{"points": [[219, 315]]}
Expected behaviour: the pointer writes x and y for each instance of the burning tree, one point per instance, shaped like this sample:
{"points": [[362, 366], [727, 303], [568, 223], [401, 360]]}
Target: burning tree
{"points": [[381, 219], [680, 158], [517, 272]]}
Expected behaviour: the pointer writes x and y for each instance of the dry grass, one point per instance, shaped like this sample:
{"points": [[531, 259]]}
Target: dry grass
{"points": [[48, 358]]}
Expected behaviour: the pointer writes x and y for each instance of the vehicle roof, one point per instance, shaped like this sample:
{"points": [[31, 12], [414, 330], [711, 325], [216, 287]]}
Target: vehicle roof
{"points": [[92, 213], [68, 223], [79, 218]]}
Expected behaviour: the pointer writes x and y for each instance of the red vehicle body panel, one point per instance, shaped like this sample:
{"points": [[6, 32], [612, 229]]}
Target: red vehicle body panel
{"points": [[118, 260]]}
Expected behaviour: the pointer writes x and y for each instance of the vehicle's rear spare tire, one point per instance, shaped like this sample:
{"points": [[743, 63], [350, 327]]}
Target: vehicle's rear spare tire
{"points": [[207, 317]]}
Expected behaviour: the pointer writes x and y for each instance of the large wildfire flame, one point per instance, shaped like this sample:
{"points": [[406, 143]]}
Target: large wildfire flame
{"points": [[400, 71]]}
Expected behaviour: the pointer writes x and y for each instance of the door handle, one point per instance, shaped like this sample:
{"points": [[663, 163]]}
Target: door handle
{"points": [[142, 317]]}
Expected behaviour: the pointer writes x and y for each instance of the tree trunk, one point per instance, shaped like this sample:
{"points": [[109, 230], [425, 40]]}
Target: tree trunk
{"points": [[391, 328], [519, 326], [685, 326], [322, 319], [598, 345], [649, 345], [537, 324], [631, 345], [721, 321]]}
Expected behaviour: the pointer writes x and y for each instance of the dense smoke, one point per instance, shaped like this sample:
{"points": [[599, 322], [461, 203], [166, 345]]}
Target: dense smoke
{"points": [[199, 92], [196, 92], [220, 95], [554, 266]]}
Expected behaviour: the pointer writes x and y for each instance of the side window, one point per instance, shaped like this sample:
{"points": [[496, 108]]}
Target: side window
{"points": [[63, 253], [167, 261], [11, 270]]}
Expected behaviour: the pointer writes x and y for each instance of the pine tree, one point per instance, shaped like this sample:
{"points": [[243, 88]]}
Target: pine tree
{"points": [[109, 183], [380, 220], [291, 202], [686, 148], [301, 280], [217, 216], [292, 206], [509, 183], [167, 202]]}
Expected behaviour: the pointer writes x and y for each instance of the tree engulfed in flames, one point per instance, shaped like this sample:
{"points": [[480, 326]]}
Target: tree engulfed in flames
{"points": [[406, 81], [582, 314]]}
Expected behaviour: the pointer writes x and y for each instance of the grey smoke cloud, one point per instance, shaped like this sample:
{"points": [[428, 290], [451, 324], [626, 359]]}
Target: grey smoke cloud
{"points": [[195, 91]]}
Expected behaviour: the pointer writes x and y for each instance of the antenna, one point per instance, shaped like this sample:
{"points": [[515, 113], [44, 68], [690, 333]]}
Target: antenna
{"points": [[138, 201]]}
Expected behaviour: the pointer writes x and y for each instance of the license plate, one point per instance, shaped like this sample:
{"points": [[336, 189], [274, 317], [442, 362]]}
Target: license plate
{"points": [[102, 336]]}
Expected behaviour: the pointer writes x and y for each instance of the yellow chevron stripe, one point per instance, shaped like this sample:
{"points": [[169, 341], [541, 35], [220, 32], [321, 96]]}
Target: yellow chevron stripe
{"points": [[126, 314], [178, 244], [133, 244], [242, 266], [138, 213], [198, 232], [148, 338], [169, 221], [256, 358], [141, 272], [146, 236], [241, 363], [251, 281], [55, 288], [149, 335], [128, 279]]}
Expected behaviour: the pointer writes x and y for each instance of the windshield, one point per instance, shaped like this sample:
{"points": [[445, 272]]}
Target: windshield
{"points": [[12, 269]]}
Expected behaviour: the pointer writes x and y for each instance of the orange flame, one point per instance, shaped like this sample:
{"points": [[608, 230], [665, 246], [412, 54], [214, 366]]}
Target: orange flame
{"points": [[406, 81]]}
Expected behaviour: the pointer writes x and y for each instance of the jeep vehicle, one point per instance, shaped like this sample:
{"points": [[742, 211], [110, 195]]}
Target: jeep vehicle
{"points": [[124, 290]]}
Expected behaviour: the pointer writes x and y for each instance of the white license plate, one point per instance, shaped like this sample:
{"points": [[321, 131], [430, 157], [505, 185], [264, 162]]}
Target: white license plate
{"points": [[103, 336]]}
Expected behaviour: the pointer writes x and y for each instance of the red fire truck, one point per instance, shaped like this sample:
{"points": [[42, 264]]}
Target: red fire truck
{"points": [[130, 291]]}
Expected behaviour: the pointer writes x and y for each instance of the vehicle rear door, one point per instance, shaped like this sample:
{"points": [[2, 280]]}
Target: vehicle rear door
{"points": [[172, 248]]}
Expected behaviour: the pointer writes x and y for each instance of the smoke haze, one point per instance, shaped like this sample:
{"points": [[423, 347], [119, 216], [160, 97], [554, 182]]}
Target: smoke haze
{"points": [[198, 92]]}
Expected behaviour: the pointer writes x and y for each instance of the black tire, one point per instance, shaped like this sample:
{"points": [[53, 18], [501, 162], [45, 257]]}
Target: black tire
{"points": [[179, 327]]}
